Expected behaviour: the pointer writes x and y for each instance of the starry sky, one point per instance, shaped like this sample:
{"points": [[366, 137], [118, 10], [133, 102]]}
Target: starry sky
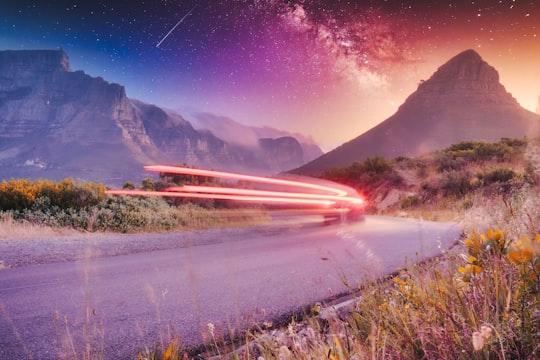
{"points": [[327, 69]]}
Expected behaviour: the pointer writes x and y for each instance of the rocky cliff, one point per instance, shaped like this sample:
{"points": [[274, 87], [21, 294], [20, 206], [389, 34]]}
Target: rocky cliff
{"points": [[286, 151], [463, 100], [234, 132], [56, 123]]}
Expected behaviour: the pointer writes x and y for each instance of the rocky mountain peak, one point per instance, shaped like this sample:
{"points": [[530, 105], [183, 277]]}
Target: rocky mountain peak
{"points": [[463, 100], [20, 62], [57, 123], [465, 76]]}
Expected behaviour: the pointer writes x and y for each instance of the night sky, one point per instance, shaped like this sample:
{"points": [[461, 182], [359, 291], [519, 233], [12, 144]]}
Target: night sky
{"points": [[327, 69]]}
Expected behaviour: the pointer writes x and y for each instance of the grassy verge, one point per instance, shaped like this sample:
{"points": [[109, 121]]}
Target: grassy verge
{"points": [[186, 217], [13, 229]]}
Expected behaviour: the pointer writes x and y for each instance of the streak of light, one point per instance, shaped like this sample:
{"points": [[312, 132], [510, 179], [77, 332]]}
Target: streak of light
{"points": [[249, 192], [252, 178], [285, 200], [175, 26]]}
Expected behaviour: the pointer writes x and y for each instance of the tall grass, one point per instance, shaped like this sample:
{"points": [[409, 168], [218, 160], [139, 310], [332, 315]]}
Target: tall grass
{"points": [[17, 229]]}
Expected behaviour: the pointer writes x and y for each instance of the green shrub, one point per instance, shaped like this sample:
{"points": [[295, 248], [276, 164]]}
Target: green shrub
{"points": [[410, 201], [20, 194], [505, 149], [455, 183], [499, 176], [132, 214], [367, 175]]}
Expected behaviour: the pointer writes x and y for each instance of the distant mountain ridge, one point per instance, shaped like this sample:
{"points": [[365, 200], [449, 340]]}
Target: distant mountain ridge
{"points": [[57, 123], [236, 133], [463, 100]]}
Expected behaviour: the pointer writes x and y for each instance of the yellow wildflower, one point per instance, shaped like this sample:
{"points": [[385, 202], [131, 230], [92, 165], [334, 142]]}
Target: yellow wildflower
{"points": [[475, 269], [520, 256]]}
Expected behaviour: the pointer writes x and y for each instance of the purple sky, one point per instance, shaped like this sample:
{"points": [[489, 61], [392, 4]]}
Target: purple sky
{"points": [[327, 69]]}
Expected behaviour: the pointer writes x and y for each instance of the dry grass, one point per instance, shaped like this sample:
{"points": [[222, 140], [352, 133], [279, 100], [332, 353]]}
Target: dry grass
{"points": [[192, 219], [200, 218], [11, 229]]}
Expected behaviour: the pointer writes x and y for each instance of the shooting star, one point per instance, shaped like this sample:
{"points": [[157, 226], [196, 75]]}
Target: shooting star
{"points": [[175, 26]]}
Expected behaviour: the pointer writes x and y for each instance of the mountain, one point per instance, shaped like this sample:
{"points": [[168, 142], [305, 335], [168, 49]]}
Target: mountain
{"points": [[57, 123], [236, 133], [463, 100]]}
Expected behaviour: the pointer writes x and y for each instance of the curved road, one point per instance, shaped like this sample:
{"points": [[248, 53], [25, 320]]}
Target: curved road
{"points": [[114, 306]]}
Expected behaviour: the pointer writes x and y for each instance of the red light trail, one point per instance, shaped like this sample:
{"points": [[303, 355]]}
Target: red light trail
{"points": [[249, 192], [222, 197], [251, 178], [333, 195]]}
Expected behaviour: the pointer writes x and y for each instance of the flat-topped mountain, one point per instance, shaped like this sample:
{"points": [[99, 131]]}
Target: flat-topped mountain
{"points": [[57, 123], [463, 100]]}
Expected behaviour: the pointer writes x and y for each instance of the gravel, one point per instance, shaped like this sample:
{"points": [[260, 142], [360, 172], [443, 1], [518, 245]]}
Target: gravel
{"points": [[44, 250]]}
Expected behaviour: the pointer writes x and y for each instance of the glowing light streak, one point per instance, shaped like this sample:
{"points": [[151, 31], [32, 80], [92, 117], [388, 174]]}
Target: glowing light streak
{"points": [[223, 197], [334, 196], [252, 178], [249, 192]]}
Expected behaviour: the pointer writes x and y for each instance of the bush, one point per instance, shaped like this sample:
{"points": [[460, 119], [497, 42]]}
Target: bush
{"points": [[22, 193], [455, 183], [479, 150], [367, 175], [131, 214], [410, 201], [499, 176]]}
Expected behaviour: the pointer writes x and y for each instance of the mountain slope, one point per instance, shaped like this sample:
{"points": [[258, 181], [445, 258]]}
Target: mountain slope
{"points": [[463, 100], [66, 121], [234, 132], [57, 123]]}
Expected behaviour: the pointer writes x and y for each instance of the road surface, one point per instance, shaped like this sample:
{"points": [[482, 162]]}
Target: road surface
{"points": [[111, 307]]}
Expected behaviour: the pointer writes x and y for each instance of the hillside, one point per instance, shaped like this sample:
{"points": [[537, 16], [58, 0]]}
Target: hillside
{"points": [[462, 101], [448, 180]]}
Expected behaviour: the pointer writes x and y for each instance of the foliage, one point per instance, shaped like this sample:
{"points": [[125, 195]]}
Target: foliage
{"points": [[455, 183], [19, 194], [480, 150], [499, 176], [409, 201], [181, 179], [367, 175], [85, 206], [443, 179]]}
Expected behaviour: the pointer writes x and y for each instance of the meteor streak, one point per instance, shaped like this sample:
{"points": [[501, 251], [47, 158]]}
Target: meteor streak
{"points": [[175, 26]]}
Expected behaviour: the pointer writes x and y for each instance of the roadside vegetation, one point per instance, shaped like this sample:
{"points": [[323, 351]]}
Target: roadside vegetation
{"points": [[479, 300], [43, 207], [441, 185]]}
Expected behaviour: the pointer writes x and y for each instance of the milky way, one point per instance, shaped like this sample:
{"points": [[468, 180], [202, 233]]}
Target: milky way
{"points": [[298, 65]]}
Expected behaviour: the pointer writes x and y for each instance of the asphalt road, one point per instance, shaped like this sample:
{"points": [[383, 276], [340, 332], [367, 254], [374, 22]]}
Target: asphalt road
{"points": [[111, 307]]}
